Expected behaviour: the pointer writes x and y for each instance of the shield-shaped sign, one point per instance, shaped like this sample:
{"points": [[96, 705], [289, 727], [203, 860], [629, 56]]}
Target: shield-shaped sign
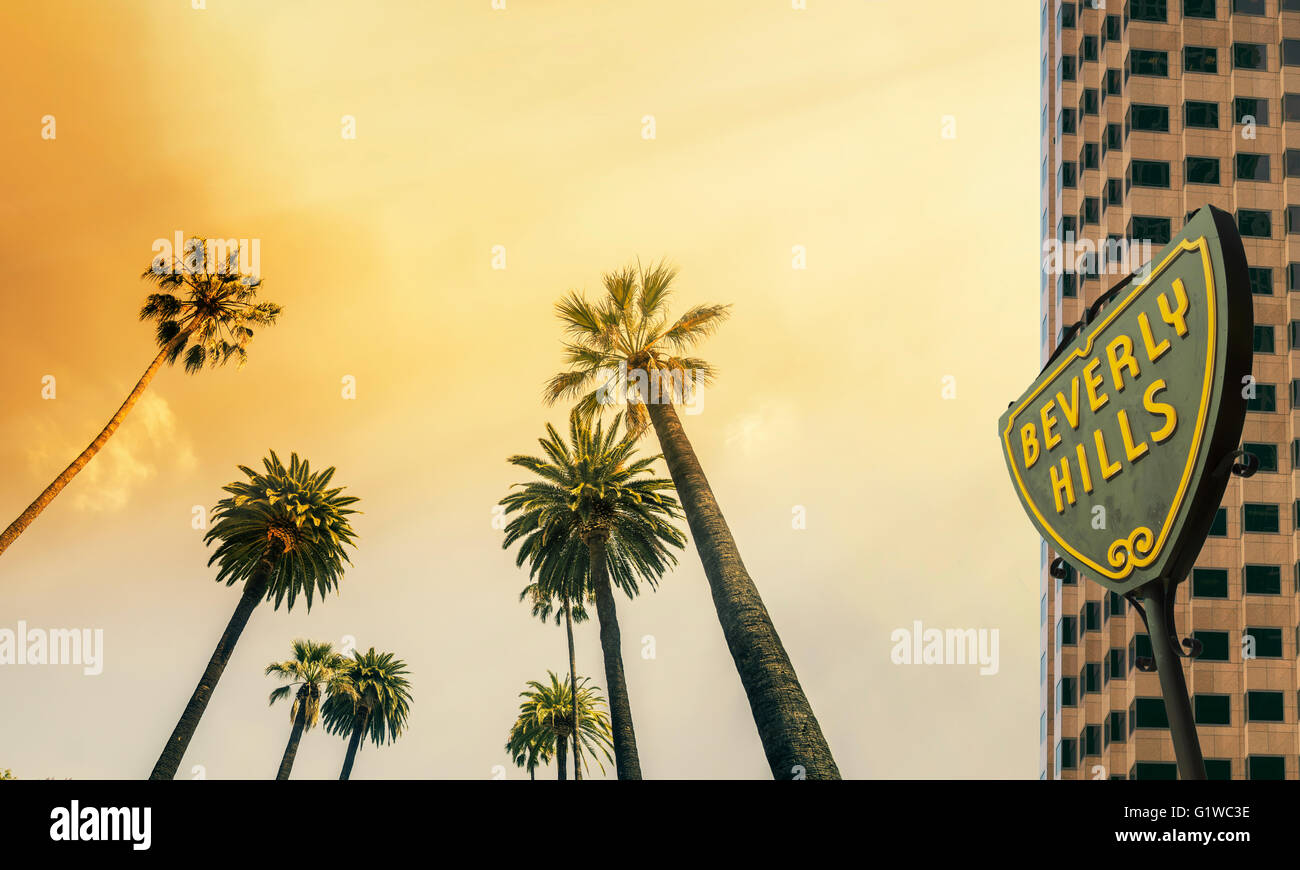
{"points": [[1121, 449]]}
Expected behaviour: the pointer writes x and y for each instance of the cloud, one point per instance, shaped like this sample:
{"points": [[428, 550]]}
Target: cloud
{"points": [[149, 440]]}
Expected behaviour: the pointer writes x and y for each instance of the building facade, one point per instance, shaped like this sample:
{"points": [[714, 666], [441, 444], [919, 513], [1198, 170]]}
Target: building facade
{"points": [[1150, 110]]}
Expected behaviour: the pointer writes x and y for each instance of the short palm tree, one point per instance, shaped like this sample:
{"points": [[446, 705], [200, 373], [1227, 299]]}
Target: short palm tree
{"points": [[373, 698], [201, 305], [625, 350], [545, 725], [313, 667], [597, 514], [282, 532], [547, 603]]}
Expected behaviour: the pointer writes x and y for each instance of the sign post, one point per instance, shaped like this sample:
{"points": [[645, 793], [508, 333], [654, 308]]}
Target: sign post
{"points": [[1121, 449]]}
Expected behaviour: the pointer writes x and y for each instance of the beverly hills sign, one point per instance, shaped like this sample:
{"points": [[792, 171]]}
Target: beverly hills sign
{"points": [[1121, 450]]}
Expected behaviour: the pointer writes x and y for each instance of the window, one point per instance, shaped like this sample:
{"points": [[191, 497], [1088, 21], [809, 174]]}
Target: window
{"points": [[1249, 55], [1260, 518], [1150, 173], [1147, 10], [1088, 49], [1218, 768], [1264, 707], [1089, 102], [1265, 399], [1152, 119], [1067, 121], [1142, 62], [1261, 278], [1115, 726], [1212, 709], [1202, 170], [1142, 646], [1244, 108], [1067, 68], [1090, 156], [1198, 8], [1291, 107], [1200, 114], [1114, 29], [1268, 642], [1069, 692], [1219, 526], [1069, 173], [1092, 678], [1252, 167], [1150, 713], [1209, 583], [1266, 767], [1264, 344], [1115, 661], [1293, 219], [1092, 740], [1092, 616], [1155, 770], [1263, 579], [1200, 59], [1265, 453], [1114, 191], [1069, 630], [1293, 276], [1091, 213], [1114, 137], [1255, 224], [1153, 229], [1065, 749], [1067, 15], [1069, 285], [1291, 52], [1214, 646], [1113, 83], [1248, 7]]}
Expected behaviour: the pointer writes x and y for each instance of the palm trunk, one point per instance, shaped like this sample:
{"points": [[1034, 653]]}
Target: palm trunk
{"points": [[620, 707], [43, 500], [573, 686], [354, 742], [295, 735], [786, 725], [254, 590], [561, 756]]}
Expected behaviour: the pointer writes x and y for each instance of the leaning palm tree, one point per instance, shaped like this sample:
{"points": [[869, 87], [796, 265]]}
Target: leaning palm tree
{"points": [[203, 305], [281, 532], [373, 698], [314, 665], [544, 605], [545, 725], [596, 516], [625, 350]]}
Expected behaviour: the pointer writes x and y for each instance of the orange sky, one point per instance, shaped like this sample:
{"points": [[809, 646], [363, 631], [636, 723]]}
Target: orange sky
{"points": [[523, 128]]}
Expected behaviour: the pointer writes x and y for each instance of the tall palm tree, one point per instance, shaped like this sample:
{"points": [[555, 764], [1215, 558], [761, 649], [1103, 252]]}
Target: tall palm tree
{"points": [[545, 724], [202, 305], [281, 532], [374, 698], [596, 517], [544, 605], [314, 665], [624, 349]]}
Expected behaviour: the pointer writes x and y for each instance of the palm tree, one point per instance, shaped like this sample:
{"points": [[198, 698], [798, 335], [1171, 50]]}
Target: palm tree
{"points": [[545, 724], [595, 517], [374, 697], [282, 533], [313, 665], [201, 305], [543, 606], [625, 350]]}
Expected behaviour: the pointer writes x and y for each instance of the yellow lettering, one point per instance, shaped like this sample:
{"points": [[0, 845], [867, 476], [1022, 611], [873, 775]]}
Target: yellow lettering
{"points": [[1092, 380], [1122, 360], [1083, 467], [1070, 409], [1154, 351], [1165, 410], [1133, 451], [1049, 440], [1178, 317], [1062, 483], [1029, 443], [1108, 469]]}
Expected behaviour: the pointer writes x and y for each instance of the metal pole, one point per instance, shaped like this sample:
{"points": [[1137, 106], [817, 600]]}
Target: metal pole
{"points": [[1182, 725]]}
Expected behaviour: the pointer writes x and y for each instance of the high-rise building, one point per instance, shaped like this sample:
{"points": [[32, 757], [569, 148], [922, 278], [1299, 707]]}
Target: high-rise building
{"points": [[1150, 110]]}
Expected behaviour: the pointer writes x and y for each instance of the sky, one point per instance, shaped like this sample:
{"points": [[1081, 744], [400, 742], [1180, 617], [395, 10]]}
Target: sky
{"points": [[858, 179]]}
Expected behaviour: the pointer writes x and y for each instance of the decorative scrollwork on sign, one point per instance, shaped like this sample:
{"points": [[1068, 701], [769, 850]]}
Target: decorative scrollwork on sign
{"points": [[1135, 551]]}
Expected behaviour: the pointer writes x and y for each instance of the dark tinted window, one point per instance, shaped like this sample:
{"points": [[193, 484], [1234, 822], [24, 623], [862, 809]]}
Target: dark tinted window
{"points": [[1202, 170]]}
